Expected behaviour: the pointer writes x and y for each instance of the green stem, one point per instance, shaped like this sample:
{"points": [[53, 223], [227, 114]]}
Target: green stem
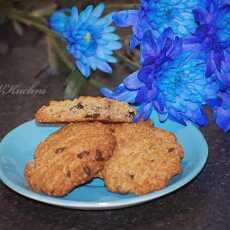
{"points": [[122, 6], [43, 12], [130, 63], [31, 21], [75, 85], [97, 84], [63, 55], [51, 55]]}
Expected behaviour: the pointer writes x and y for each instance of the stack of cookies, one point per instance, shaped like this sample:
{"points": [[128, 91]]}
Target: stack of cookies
{"points": [[101, 140]]}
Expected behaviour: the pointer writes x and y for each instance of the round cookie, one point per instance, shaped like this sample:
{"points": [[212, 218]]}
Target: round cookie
{"points": [[86, 109], [70, 157], [144, 159]]}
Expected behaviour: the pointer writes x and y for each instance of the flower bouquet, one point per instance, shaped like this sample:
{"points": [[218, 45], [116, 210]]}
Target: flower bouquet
{"points": [[182, 48]]}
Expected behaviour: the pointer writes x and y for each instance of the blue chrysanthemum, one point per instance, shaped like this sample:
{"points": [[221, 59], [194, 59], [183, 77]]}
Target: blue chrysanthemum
{"points": [[90, 39], [211, 39], [59, 20], [222, 111], [170, 81], [158, 15]]}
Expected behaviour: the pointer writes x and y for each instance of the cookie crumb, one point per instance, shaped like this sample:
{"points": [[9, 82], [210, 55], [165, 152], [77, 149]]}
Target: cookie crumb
{"points": [[78, 106], [82, 154], [171, 150], [60, 150], [99, 156], [87, 170]]}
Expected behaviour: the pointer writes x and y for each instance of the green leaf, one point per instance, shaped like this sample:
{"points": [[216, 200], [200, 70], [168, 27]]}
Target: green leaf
{"points": [[52, 56], [45, 11], [18, 28], [75, 85]]}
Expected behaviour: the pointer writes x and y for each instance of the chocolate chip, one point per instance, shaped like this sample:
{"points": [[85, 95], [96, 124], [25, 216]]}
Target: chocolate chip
{"points": [[108, 118], [109, 105], [111, 129], [68, 174], [87, 170], [99, 156], [78, 106], [131, 176], [82, 154], [171, 150], [93, 116], [132, 114], [60, 150]]}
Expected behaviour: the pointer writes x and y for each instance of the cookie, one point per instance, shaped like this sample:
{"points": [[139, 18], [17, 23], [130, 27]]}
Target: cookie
{"points": [[70, 157], [144, 159], [86, 109]]}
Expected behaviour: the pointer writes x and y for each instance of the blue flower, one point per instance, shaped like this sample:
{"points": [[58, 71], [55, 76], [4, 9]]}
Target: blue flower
{"points": [[222, 111], [156, 16], [59, 20], [211, 40], [90, 39], [170, 81]]}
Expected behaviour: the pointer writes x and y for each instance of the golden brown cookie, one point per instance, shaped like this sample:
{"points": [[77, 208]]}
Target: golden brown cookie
{"points": [[70, 157], [144, 159], [86, 109]]}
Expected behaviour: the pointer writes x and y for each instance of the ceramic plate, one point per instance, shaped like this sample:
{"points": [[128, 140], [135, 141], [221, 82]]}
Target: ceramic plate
{"points": [[18, 147]]}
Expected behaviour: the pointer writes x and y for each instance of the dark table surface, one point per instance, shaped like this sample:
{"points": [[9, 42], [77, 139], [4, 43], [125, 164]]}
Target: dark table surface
{"points": [[202, 204]]}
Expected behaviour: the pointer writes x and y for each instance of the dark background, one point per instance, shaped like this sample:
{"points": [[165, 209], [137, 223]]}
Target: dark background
{"points": [[202, 204]]}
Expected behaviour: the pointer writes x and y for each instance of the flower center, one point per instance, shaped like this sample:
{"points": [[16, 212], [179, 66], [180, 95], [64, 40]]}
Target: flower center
{"points": [[168, 12], [176, 80], [87, 37]]}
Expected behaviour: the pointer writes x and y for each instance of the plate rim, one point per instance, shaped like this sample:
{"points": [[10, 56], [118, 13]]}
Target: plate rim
{"points": [[110, 204]]}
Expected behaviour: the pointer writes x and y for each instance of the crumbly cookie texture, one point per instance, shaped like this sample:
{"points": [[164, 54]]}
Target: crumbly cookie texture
{"points": [[86, 109], [70, 157], [144, 160]]}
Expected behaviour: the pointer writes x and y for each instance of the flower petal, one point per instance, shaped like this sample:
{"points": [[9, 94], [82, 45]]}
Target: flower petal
{"points": [[139, 113], [132, 82], [85, 70], [110, 36], [85, 14], [103, 66], [148, 110], [210, 68], [223, 119], [148, 46], [97, 12], [120, 93], [109, 29], [145, 75], [175, 49], [141, 95], [114, 45], [74, 16], [199, 16], [134, 42], [125, 18], [58, 21]]}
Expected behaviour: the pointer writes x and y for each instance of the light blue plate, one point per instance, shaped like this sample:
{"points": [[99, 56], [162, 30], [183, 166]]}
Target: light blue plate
{"points": [[18, 147]]}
